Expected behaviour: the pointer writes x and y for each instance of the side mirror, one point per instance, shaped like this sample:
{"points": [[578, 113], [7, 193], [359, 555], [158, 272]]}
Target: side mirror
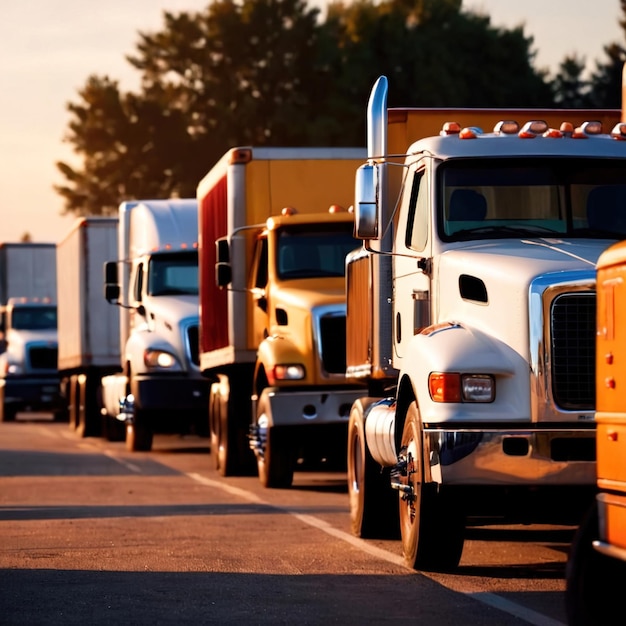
{"points": [[223, 270], [111, 292], [110, 272], [111, 286], [366, 190], [223, 274], [222, 250]]}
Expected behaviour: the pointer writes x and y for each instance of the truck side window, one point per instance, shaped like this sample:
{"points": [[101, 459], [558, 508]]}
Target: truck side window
{"points": [[417, 226], [138, 283], [259, 271]]}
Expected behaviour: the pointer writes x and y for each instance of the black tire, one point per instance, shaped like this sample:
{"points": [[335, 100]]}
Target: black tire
{"points": [[594, 581], [373, 504], [432, 527], [7, 413], [139, 435], [113, 429], [89, 422], [276, 463], [229, 438], [214, 424], [73, 402], [60, 415]]}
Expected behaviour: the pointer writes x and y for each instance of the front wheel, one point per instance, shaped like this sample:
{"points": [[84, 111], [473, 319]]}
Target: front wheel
{"points": [[594, 581], [138, 433], [431, 525], [373, 504], [275, 460]]}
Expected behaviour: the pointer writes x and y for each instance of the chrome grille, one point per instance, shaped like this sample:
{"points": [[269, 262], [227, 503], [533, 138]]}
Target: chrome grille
{"points": [[333, 343], [43, 357], [193, 344], [573, 333]]}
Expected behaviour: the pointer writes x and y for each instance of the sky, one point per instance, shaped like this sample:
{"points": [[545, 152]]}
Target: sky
{"points": [[48, 49]]}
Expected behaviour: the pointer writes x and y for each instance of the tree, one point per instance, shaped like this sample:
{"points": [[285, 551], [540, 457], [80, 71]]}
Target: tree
{"points": [[570, 89], [270, 72]]}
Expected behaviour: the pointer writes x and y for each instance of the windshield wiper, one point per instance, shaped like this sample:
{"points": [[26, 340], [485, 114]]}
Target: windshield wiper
{"points": [[506, 231]]}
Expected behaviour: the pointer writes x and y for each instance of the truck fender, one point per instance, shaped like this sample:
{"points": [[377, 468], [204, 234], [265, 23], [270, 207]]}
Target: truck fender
{"points": [[273, 350], [454, 347], [141, 340]]}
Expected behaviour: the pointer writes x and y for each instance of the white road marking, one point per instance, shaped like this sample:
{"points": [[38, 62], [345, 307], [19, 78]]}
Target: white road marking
{"points": [[127, 464], [490, 599]]}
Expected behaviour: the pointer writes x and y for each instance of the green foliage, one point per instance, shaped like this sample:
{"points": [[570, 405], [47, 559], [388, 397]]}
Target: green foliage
{"points": [[273, 72]]}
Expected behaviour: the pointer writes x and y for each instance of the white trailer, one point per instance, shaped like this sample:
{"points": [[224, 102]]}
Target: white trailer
{"points": [[88, 328]]}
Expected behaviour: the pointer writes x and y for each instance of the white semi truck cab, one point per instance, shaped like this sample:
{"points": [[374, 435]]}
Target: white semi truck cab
{"points": [[29, 377], [155, 282], [477, 334]]}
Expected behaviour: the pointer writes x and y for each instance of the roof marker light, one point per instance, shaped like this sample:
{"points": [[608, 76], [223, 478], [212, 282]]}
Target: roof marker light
{"points": [[619, 131], [592, 128], [335, 208], [567, 128], [579, 133], [553, 132], [532, 129], [468, 133], [450, 128], [506, 127], [288, 210]]}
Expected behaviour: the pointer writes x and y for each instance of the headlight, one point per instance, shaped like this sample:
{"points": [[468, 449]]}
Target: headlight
{"points": [[288, 371], [160, 359], [455, 387], [13, 369]]}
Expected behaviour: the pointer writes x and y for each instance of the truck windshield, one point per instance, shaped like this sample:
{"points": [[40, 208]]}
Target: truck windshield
{"points": [[34, 318], [314, 251], [173, 274], [547, 197]]}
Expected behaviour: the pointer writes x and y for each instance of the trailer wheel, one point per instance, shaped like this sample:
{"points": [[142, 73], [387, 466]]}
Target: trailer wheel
{"points": [[373, 504], [229, 439], [73, 401], [594, 581], [431, 525], [275, 462], [214, 424], [87, 412]]}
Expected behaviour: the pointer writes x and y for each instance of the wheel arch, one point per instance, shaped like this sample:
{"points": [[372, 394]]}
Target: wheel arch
{"points": [[404, 397]]}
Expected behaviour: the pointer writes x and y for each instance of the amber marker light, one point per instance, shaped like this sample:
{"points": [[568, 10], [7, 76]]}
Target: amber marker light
{"points": [[444, 386], [455, 387]]}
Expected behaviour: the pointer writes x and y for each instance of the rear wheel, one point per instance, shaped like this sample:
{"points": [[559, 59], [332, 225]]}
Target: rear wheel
{"points": [[73, 401], [275, 461], [87, 412], [373, 504], [230, 410], [431, 525]]}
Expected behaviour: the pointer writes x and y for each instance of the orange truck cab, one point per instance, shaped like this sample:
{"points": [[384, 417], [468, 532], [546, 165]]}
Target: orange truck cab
{"points": [[597, 562]]}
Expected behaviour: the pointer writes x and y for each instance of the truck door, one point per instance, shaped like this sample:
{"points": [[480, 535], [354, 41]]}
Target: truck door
{"points": [[411, 285], [259, 291], [136, 295]]}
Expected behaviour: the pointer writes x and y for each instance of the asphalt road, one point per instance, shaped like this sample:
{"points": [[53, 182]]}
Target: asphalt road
{"points": [[92, 534]]}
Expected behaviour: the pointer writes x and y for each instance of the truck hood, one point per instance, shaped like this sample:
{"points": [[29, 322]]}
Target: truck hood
{"points": [[309, 293], [506, 269], [18, 339], [528, 257], [172, 310]]}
